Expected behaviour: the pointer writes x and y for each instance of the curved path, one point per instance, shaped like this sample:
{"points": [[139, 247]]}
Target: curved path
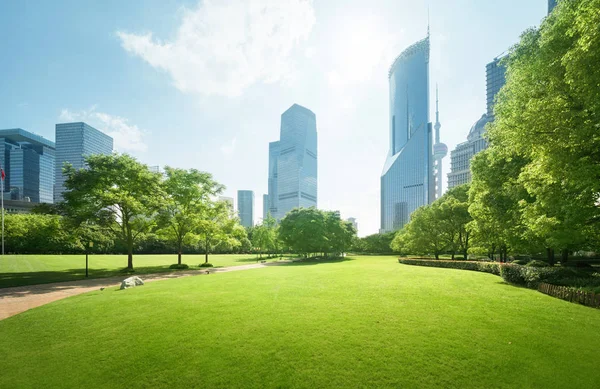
{"points": [[21, 298]]}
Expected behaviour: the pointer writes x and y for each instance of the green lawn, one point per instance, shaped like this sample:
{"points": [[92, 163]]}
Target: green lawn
{"points": [[363, 322], [16, 270]]}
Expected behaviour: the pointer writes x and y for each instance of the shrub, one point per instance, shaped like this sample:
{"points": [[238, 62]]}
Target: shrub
{"points": [[537, 263], [486, 267], [178, 266], [512, 274], [520, 262], [206, 265]]}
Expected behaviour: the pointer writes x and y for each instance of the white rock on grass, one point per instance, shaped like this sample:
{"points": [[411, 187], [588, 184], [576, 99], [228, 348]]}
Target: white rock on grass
{"points": [[131, 282]]}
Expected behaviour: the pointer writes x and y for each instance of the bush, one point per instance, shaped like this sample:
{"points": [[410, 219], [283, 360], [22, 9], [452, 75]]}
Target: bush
{"points": [[579, 264], [205, 265], [537, 263], [520, 262], [178, 266], [486, 267]]}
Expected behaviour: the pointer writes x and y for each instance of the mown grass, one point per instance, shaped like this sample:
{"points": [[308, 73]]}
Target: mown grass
{"points": [[362, 322], [17, 270]]}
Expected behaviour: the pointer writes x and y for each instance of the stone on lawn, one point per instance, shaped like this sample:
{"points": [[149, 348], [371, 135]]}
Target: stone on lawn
{"points": [[131, 282]]}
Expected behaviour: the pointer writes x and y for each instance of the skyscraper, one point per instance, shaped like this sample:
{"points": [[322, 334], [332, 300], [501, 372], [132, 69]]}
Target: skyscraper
{"points": [[460, 157], [551, 5], [28, 161], [245, 201], [273, 156], [407, 180], [74, 142], [495, 74], [265, 206], [293, 163]]}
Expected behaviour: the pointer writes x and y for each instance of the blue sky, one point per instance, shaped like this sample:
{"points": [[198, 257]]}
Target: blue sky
{"points": [[203, 84]]}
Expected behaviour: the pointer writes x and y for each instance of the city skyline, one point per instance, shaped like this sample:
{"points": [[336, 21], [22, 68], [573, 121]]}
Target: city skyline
{"points": [[142, 104]]}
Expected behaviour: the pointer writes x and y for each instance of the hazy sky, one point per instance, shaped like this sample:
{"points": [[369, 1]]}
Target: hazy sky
{"points": [[203, 84]]}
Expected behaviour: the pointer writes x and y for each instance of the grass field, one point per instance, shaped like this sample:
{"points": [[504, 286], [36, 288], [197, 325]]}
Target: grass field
{"points": [[362, 322], [17, 270]]}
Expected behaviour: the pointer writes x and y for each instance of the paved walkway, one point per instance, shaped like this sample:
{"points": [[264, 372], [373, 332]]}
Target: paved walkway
{"points": [[21, 298]]}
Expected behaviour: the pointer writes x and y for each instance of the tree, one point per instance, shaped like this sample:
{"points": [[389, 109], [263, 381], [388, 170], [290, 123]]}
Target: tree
{"points": [[264, 236], [217, 225], [115, 191], [186, 194], [455, 217], [424, 234], [303, 230], [547, 116], [375, 243]]}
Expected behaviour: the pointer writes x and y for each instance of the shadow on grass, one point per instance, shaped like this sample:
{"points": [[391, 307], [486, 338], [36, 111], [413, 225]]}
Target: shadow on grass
{"points": [[68, 276], [314, 261]]}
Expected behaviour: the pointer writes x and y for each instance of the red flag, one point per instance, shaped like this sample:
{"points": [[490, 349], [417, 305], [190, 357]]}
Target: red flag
{"points": [[2, 173]]}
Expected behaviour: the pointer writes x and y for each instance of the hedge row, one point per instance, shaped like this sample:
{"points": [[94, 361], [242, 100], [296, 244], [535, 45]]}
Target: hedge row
{"points": [[486, 267], [531, 277]]}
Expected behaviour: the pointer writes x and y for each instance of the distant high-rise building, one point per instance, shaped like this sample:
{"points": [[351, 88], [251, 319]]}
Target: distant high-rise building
{"points": [[293, 163], [245, 202], [551, 5], [495, 72], [28, 162], [460, 157], [407, 180], [74, 142], [273, 156], [353, 221], [265, 206]]}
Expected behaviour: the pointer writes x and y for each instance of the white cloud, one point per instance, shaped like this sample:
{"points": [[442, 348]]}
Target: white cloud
{"points": [[228, 149], [126, 136], [223, 47]]}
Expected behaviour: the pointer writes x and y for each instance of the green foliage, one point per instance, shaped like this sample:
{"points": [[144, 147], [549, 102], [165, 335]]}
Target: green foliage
{"points": [[536, 189], [187, 195], [486, 267], [310, 230], [206, 264], [520, 262], [117, 192], [374, 244], [537, 263], [179, 266]]}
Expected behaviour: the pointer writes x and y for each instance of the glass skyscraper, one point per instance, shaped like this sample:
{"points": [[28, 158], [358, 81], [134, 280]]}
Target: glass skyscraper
{"points": [[293, 163], [245, 202], [460, 157], [407, 180], [75, 141], [265, 206], [28, 161]]}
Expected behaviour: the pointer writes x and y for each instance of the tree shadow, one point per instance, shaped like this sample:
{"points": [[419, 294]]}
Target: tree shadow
{"points": [[313, 261], [70, 276]]}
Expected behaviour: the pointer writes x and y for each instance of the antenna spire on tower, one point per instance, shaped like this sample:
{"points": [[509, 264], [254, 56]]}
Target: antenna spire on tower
{"points": [[427, 20]]}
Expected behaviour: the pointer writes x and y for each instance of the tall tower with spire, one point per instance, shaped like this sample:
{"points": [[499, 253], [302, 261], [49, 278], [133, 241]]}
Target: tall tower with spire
{"points": [[440, 150]]}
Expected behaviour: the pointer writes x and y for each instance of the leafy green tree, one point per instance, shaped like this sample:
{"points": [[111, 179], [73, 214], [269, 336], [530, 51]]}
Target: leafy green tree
{"points": [[547, 117], [303, 230], [218, 226], [374, 244], [264, 236], [424, 234], [187, 193], [455, 217], [117, 192]]}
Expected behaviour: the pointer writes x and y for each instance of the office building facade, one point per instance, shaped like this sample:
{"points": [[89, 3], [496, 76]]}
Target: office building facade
{"points": [[407, 180], [245, 203], [265, 206], [460, 157], [74, 142], [293, 163], [28, 162]]}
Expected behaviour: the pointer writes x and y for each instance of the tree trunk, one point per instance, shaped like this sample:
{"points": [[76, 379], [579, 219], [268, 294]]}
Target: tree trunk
{"points": [[437, 256], [564, 256], [179, 254], [453, 255], [206, 251], [130, 258], [550, 254]]}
